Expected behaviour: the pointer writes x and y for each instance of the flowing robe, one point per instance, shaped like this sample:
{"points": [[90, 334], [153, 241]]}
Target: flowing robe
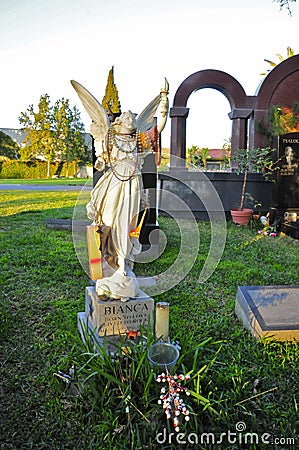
{"points": [[115, 202]]}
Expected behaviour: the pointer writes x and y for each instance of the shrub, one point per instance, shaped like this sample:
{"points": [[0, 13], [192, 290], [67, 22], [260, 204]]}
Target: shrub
{"points": [[35, 169]]}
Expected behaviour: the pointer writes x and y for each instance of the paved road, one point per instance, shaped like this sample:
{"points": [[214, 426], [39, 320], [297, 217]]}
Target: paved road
{"points": [[41, 187]]}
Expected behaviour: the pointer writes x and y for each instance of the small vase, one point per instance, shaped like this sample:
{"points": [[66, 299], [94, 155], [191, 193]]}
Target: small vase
{"points": [[163, 355], [241, 217]]}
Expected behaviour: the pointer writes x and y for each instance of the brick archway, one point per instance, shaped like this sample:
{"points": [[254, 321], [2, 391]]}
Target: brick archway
{"points": [[214, 79], [281, 86]]}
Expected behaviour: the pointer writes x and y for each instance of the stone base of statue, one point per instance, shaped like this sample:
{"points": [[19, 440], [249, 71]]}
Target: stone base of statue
{"points": [[108, 320]]}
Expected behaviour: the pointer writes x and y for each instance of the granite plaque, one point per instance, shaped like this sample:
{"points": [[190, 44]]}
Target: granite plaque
{"points": [[271, 311]]}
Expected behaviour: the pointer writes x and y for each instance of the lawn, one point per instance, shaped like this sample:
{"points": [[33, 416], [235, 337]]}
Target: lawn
{"points": [[238, 384], [51, 181]]}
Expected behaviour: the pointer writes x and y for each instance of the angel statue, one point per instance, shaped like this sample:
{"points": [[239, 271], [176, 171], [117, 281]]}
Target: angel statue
{"points": [[117, 198]]}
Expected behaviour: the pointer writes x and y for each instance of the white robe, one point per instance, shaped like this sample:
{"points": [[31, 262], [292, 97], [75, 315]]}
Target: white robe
{"points": [[115, 202]]}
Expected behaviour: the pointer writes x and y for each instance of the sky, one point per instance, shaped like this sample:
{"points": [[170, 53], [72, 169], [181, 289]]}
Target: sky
{"points": [[44, 44]]}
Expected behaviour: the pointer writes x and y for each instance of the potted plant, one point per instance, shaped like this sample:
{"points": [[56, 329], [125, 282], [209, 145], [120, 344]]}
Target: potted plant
{"points": [[256, 160]]}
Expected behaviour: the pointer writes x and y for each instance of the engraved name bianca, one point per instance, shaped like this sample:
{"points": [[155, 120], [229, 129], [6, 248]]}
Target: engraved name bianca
{"points": [[138, 308], [119, 318]]}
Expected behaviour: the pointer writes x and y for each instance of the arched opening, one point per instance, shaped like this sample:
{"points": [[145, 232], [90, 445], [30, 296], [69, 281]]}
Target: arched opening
{"points": [[216, 80], [208, 124]]}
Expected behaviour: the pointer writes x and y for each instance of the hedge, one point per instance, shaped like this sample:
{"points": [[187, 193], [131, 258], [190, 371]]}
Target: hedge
{"points": [[36, 169]]}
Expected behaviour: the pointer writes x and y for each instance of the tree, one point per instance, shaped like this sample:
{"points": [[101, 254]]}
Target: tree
{"points": [[290, 53], [193, 155], [198, 157], [68, 132], [53, 132], [8, 147], [110, 100], [38, 128], [204, 154], [286, 4]]}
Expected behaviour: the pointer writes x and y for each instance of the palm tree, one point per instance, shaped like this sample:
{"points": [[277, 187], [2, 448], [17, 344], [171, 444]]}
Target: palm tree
{"points": [[290, 53], [204, 154]]}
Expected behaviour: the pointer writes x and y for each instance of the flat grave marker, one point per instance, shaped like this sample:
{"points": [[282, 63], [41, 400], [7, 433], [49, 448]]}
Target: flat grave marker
{"points": [[271, 311]]}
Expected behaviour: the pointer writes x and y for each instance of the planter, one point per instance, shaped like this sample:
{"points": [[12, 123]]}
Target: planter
{"points": [[241, 217]]}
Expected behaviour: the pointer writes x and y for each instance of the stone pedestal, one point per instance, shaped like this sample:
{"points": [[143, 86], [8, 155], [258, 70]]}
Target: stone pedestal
{"points": [[271, 311], [112, 318]]}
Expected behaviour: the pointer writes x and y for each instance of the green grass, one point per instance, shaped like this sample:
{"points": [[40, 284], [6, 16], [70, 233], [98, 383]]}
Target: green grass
{"points": [[234, 377], [51, 181]]}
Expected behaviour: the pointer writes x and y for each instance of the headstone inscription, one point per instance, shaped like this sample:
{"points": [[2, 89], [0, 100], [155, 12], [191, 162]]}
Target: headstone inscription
{"points": [[287, 188], [288, 174]]}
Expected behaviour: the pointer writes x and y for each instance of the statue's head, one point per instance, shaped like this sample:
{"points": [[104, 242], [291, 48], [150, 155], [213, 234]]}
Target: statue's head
{"points": [[126, 123]]}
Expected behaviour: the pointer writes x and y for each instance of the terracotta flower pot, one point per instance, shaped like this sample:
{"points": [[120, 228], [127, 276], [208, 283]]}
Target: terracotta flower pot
{"points": [[241, 217]]}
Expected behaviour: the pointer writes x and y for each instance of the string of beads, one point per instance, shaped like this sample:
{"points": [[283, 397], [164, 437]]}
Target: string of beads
{"points": [[126, 144]]}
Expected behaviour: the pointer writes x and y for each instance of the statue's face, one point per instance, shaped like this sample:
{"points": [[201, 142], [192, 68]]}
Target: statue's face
{"points": [[128, 123]]}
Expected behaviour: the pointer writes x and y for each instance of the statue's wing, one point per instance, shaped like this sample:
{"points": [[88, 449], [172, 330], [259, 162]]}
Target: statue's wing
{"points": [[95, 110], [145, 119]]}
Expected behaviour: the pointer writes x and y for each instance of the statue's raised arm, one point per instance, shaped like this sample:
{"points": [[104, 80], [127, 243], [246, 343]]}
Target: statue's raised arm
{"points": [[145, 119], [163, 106]]}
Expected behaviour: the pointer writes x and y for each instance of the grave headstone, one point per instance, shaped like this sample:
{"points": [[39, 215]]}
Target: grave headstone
{"points": [[111, 319], [287, 186], [288, 174]]}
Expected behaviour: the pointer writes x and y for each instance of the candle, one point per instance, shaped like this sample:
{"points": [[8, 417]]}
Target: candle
{"points": [[162, 321]]}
